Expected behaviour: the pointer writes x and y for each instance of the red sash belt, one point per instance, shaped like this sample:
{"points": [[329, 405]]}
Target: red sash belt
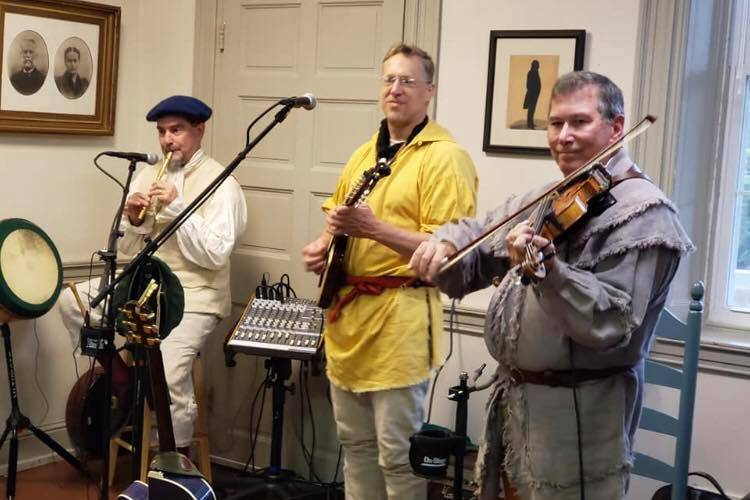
{"points": [[370, 285]]}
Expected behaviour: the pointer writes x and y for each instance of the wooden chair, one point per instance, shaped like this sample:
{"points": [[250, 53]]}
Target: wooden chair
{"points": [[200, 426], [684, 381], [200, 433]]}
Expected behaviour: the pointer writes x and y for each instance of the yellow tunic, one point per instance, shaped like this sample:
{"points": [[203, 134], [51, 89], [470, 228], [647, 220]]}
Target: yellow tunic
{"points": [[393, 340]]}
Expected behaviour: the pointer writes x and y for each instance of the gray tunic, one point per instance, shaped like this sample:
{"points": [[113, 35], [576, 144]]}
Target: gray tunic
{"points": [[596, 308]]}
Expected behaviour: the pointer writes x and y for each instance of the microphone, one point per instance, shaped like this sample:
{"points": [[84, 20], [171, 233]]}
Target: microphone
{"points": [[149, 158], [306, 101]]}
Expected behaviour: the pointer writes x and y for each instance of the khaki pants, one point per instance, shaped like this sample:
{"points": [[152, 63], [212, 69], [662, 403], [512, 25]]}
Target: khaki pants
{"points": [[374, 430], [178, 351]]}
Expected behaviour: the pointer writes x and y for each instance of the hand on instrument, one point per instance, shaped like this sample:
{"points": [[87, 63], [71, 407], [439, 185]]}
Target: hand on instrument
{"points": [[164, 191], [314, 254], [428, 257], [520, 236], [358, 221], [133, 206]]}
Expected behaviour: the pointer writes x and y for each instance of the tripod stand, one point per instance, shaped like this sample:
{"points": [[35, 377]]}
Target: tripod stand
{"points": [[274, 481], [17, 422], [460, 394]]}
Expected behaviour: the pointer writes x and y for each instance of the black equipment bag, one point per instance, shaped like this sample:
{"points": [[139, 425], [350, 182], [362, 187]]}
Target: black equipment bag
{"points": [[665, 492]]}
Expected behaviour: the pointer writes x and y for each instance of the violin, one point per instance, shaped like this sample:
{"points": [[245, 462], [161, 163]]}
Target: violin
{"points": [[580, 195], [583, 197]]}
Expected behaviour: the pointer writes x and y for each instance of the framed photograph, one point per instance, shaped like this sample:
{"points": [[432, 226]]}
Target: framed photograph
{"points": [[58, 66], [522, 68]]}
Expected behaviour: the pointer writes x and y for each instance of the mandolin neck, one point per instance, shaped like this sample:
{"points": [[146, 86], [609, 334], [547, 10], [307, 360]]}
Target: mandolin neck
{"points": [[161, 400]]}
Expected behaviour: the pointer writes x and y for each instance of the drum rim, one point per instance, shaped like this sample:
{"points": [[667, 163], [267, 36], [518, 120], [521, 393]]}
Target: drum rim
{"points": [[16, 305]]}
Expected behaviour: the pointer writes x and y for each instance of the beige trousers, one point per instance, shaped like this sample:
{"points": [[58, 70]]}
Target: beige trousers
{"points": [[179, 350], [374, 430]]}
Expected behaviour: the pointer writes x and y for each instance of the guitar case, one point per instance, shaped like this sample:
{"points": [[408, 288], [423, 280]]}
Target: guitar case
{"points": [[171, 476]]}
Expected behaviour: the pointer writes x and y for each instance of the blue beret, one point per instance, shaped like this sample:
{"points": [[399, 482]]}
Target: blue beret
{"points": [[193, 108]]}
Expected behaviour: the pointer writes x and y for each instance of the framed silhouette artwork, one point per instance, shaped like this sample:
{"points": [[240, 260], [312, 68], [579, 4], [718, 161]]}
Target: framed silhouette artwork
{"points": [[523, 66]]}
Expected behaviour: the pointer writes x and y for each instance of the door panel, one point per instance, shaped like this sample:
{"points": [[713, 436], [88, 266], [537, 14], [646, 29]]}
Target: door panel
{"points": [[275, 49]]}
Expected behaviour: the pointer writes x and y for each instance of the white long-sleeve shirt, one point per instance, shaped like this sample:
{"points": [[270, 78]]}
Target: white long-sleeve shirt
{"points": [[208, 236]]}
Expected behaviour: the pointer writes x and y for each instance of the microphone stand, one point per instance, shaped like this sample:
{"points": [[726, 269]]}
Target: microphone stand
{"points": [[460, 394], [153, 245], [106, 290], [99, 341]]}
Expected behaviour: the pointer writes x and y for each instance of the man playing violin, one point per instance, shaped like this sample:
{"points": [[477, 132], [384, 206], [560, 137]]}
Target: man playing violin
{"points": [[383, 334], [570, 344]]}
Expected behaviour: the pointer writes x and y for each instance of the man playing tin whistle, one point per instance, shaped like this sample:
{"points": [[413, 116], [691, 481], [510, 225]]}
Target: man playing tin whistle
{"points": [[199, 251]]}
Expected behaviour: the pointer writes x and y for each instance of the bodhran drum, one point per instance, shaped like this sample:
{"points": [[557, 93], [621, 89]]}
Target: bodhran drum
{"points": [[30, 271]]}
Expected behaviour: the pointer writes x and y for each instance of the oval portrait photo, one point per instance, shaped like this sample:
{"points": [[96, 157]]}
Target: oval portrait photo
{"points": [[28, 62], [73, 68]]}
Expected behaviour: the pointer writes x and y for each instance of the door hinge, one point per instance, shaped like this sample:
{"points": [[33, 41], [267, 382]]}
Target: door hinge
{"points": [[220, 36]]}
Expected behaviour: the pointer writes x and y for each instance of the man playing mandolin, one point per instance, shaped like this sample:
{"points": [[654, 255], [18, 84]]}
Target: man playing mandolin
{"points": [[571, 344], [384, 332]]}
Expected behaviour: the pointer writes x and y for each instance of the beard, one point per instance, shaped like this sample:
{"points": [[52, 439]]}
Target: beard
{"points": [[178, 160]]}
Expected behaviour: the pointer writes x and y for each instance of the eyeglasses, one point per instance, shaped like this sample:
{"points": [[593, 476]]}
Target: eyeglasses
{"points": [[404, 81]]}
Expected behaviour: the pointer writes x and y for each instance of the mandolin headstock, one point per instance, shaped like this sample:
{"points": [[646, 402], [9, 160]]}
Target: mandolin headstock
{"points": [[139, 320], [364, 185]]}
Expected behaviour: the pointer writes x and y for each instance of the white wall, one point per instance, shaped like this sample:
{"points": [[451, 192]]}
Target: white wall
{"points": [[51, 180], [721, 435], [45, 171]]}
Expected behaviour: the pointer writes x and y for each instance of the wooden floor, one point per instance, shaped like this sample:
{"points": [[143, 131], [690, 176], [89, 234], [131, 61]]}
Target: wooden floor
{"points": [[61, 481]]}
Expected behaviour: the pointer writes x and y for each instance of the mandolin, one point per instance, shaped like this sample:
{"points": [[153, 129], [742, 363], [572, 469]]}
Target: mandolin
{"points": [[172, 476], [333, 276]]}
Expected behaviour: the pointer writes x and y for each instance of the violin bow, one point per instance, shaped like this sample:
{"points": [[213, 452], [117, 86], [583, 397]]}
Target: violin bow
{"points": [[631, 134]]}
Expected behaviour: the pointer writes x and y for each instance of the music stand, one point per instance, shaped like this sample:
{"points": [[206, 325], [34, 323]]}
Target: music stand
{"points": [[18, 422]]}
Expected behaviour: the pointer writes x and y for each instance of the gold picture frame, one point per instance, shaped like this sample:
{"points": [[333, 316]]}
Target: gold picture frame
{"points": [[58, 66]]}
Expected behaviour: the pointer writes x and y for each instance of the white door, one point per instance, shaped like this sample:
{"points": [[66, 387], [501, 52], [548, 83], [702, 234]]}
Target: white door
{"points": [[274, 49]]}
